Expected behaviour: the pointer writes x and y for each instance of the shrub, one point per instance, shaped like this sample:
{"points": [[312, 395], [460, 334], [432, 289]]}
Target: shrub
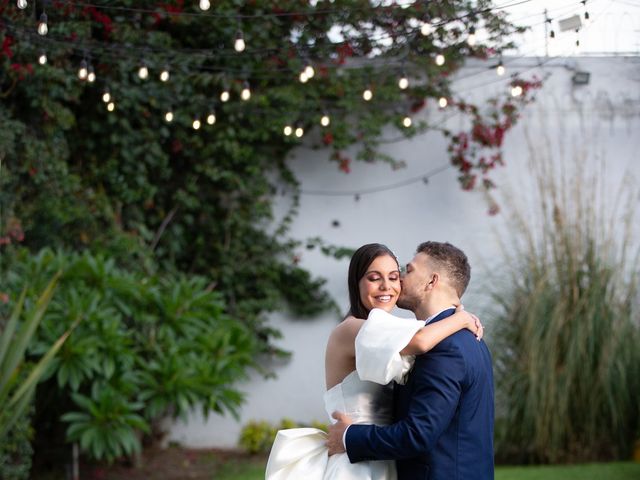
{"points": [[257, 436], [566, 352], [148, 347], [16, 450]]}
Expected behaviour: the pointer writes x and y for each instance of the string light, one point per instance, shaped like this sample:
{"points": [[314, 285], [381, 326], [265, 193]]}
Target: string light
{"points": [[224, 96], [471, 39], [303, 77], [205, 5], [299, 131], [111, 106], [309, 71], [83, 71], [143, 71], [440, 59], [211, 118], [426, 29], [516, 91], [442, 102], [91, 75], [43, 28], [239, 45], [106, 96], [42, 58], [403, 83], [246, 91], [22, 4], [325, 120], [406, 121], [165, 75], [367, 94], [587, 18], [168, 116], [287, 130], [500, 70], [196, 123]]}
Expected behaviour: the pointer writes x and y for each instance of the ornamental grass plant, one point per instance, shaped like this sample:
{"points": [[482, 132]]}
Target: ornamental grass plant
{"points": [[566, 349]]}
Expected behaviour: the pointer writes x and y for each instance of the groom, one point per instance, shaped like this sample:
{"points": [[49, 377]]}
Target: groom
{"points": [[444, 414]]}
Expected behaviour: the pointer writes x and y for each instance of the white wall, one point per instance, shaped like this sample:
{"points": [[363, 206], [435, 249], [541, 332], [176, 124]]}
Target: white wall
{"points": [[602, 118]]}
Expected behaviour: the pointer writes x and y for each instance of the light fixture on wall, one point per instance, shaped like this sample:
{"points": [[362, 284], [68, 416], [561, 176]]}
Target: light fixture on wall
{"points": [[580, 78]]}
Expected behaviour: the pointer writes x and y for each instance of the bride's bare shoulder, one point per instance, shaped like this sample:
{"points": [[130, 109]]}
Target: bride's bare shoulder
{"points": [[348, 327]]}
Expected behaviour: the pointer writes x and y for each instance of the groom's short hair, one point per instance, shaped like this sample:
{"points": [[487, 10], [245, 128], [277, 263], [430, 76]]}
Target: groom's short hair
{"points": [[451, 261]]}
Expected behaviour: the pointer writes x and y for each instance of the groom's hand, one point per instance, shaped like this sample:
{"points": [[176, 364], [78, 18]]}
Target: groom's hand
{"points": [[336, 433]]}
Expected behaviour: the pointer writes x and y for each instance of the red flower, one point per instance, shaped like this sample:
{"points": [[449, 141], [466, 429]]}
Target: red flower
{"points": [[345, 165], [6, 46], [418, 105], [327, 139]]}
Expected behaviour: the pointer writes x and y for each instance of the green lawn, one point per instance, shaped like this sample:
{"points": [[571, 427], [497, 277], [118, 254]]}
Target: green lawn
{"points": [[596, 471]]}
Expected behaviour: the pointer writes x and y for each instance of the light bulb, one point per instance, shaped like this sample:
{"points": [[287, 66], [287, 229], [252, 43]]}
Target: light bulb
{"points": [[442, 102], [22, 4], [471, 39], [43, 29], [164, 75], [106, 96], [440, 59], [246, 92], [196, 123], [239, 45], [426, 29], [143, 72], [367, 94], [516, 91], [406, 121], [325, 120], [205, 5], [83, 70], [211, 118], [500, 69], [111, 106], [42, 58], [287, 130], [403, 83], [299, 132], [303, 77], [91, 76], [224, 96], [168, 116], [309, 71]]}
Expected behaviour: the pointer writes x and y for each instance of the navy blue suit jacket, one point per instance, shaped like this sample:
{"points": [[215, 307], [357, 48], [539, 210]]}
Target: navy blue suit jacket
{"points": [[444, 416]]}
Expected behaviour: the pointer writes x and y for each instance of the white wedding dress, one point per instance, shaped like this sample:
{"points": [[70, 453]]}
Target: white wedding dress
{"points": [[364, 395]]}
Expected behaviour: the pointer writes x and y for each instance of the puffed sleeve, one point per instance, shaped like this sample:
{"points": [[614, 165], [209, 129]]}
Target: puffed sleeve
{"points": [[378, 346]]}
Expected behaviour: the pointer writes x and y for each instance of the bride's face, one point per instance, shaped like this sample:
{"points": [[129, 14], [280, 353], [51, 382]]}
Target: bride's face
{"points": [[380, 285]]}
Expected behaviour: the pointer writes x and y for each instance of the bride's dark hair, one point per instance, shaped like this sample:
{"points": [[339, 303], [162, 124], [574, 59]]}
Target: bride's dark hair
{"points": [[358, 266]]}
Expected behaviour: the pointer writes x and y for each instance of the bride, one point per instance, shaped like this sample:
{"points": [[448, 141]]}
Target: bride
{"points": [[357, 385]]}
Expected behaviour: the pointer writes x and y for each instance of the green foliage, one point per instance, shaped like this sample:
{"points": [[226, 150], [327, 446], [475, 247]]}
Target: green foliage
{"points": [[17, 387], [16, 450], [566, 352], [257, 436], [148, 347]]}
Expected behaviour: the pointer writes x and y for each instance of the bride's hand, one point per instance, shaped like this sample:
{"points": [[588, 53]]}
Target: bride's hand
{"points": [[473, 323]]}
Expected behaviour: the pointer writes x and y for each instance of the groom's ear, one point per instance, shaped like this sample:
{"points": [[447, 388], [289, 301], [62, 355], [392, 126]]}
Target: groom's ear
{"points": [[435, 279]]}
